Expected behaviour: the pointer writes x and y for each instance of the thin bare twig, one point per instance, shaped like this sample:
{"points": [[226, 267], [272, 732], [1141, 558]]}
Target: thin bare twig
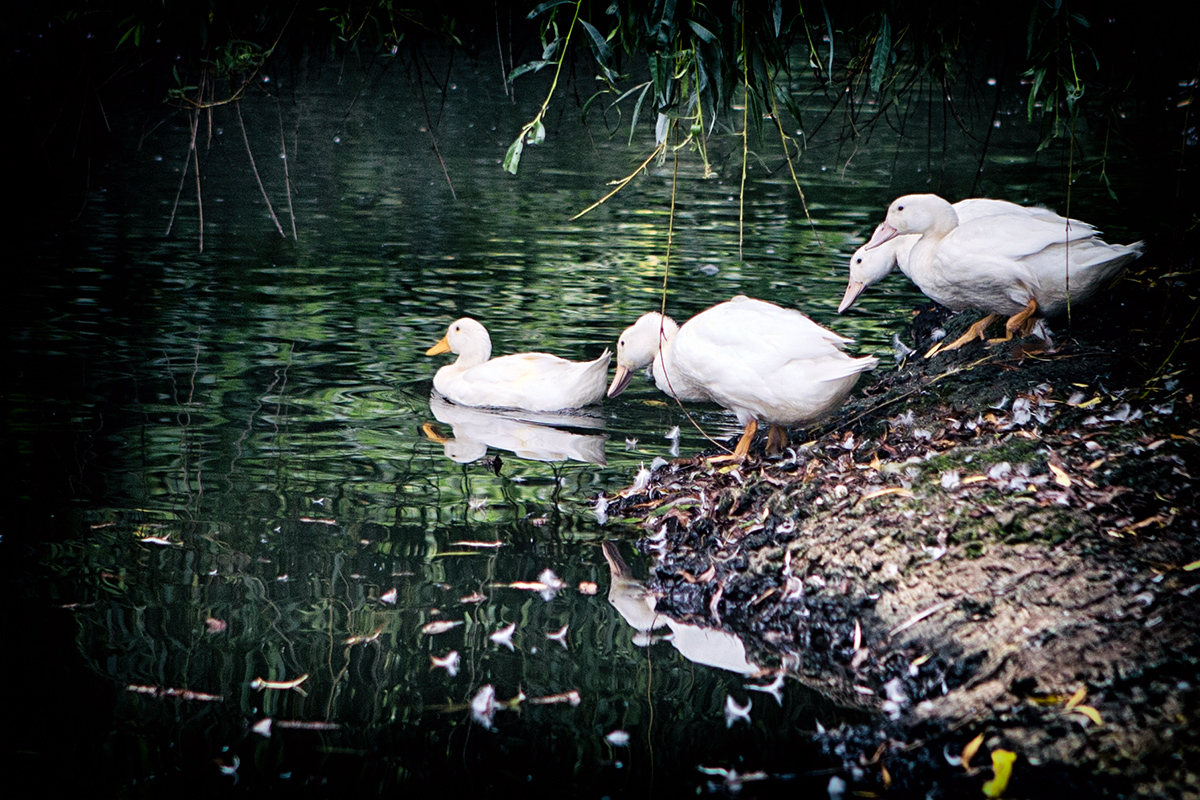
{"points": [[287, 180], [915, 618], [745, 138], [199, 197], [621, 184], [186, 167], [261, 188], [429, 125], [663, 304], [783, 138], [500, 49]]}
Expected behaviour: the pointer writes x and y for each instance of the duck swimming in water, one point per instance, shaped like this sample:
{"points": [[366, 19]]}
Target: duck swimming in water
{"points": [[528, 381]]}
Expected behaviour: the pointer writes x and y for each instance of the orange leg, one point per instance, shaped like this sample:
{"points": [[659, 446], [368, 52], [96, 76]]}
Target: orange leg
{"points": [[1021, 323], [743, 446], [976, 331], [777, 439]]}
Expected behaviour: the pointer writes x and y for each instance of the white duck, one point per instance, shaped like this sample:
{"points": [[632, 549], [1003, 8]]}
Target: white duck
{"points": [[1022, 266], [868, 266], [759, 360], [529, 381]]}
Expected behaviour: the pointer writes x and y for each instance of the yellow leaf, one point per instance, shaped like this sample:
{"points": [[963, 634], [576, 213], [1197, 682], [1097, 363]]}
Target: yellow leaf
{"points": [[1077, 698], [882, 492], [1002, 764], [1060, 475], [887, 777], [970, 750], [1195, 565], [1088, 712]]}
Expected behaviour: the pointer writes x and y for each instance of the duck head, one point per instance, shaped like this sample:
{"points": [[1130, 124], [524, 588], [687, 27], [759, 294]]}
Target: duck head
{"points": [[638, 346], [870, 264], [467, 338], [915, 213]]}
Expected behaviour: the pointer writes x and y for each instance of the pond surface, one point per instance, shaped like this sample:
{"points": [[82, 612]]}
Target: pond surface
{"points": [[252, 530]]}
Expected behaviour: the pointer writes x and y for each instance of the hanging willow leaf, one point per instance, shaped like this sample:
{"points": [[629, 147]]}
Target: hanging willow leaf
{"points": [[544, 7], [704, 33], [883, 54], [537, 134], [512, 159], [666, 24], [637, 109], [532, 66], [602, 50], [1039, 75]]}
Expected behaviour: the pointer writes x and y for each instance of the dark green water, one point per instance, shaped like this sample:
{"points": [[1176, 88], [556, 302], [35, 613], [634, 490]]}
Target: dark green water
{"points": [[222, 473]]}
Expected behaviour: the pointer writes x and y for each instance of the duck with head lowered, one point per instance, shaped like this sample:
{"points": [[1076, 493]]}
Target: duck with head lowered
{"points": [[1024, 266], [763, 362], [869, 266], [528, 381]]}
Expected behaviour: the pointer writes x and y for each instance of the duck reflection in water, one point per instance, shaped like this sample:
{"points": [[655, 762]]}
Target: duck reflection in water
{"points": [[539, 436], [636, 605]]}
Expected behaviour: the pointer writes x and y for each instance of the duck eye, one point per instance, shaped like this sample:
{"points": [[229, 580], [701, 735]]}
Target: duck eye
{"points": [[858, 260], [899, 208]]}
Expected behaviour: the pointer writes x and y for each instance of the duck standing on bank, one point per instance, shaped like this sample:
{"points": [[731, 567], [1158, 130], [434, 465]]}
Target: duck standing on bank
{"points": [[762, 362], [528, 381], [1019, 265], [869, 266]]}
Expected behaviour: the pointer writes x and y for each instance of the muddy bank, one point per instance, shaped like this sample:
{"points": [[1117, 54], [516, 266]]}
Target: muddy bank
{"points": [[995, 542]]}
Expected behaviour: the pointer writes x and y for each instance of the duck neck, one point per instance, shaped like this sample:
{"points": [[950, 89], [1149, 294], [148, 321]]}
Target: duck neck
{"points": [[475, 352], [942, 221], [665, 375]]}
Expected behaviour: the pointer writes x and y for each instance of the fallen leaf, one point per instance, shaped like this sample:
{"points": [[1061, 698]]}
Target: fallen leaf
{"points": [[1060, 475], [1192, 567], [1076, 698], [703, 577], [1002, 764], [883, 492], [1088, 712], [970, 750], [440, 626]]}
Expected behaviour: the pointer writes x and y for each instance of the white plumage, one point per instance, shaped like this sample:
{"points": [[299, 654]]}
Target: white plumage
{"points": [[529, 381], [763, 362], [1025, 266]]}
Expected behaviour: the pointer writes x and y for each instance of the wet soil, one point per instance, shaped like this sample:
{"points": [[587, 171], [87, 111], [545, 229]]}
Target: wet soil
{"points": [[997, 542]]}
